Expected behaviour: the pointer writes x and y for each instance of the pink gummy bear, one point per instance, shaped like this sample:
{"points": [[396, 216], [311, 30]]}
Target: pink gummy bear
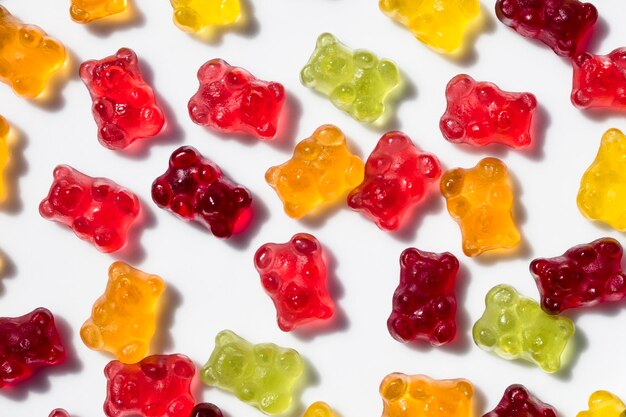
{"points": [[600, 80]]}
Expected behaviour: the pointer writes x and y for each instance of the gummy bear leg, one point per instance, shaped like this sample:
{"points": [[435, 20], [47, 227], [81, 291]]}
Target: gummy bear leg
{"points": [[132, 352], [272, 403], [187, 19], [343, 96], [91, 336], [368, 110]]}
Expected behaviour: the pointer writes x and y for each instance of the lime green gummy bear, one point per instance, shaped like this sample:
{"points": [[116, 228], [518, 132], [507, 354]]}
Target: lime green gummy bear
{"points": [[263, 375], [356, 81], [515, 327]]}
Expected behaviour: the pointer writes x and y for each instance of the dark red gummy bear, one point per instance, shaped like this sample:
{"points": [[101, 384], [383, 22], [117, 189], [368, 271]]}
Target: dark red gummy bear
{"points": [[124, 105], [28, 343], [230, 99], [206, 410], [600, 80], [97, 209], [563, 25], [424, 304], [294, 276], [194, 188], [397, 177], [158, 386], [479, 114], [518, 402], [584, 276]]}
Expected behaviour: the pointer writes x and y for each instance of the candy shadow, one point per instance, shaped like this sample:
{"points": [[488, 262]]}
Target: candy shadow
{"points": [[389, 120], [431, 205], [16, 168], [288, 124], [608, 309], [310, 378], [51, 98], [172, 299], [131, 18], [8, 269], [134, 252], [599, 33], [247, 26], [570, 357], [259, 215], [467, 55], [479, 402]]}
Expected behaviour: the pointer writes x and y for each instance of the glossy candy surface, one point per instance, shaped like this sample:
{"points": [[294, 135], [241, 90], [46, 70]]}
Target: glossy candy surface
{"points": [[397, 178], [320, 172], [96, 209], [603, 404], [196, 15], [5, 129], [515, 327], [599, 81], [479, 114], [28, 343], [206, 410], [124, 105], [230, 99], [262, 375], [59, 412], [194, 189], [518, 402], [124, 319], [357, 82], [319, 409], [85, 11]]}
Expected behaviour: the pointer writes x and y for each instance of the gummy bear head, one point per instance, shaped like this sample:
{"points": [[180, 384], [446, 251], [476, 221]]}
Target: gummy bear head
{"points": [[108, 74], [68, 196], [234, 359], [330, 65], [130, 289]]}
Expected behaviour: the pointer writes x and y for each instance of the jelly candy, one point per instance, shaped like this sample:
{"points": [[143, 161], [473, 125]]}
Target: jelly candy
{"points": [[516, 327], [439, 24], [85, 11], [194, 188], [397, 177], [196, 15], [4, 154], [124, 319], [518, 402], [124, 105], [480, 200], [96, 209], [599, 81], [206, 410], [262, 375], [319, 409], [424, 304], [563, 25], [357, 82], [603, 404], [602, 192], [159, 385], [59, 412], [230, 99], [421, 396], [28, 56], [320, 172], [479, 114], [28, 343], [294, 275]]}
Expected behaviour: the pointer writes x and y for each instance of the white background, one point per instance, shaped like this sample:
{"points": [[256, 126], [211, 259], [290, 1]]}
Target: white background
{"points": [[213, 284]]}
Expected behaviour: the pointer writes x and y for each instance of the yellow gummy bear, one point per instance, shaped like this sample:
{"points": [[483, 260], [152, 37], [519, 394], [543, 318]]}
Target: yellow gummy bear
{"points": [[602, 193], [480, 200], [124, 319], [421, 396], [84, 11], [4, 154], [28, 57], [321, 171], [440, 24], [604, 404], [319, 409], [195, 15]]}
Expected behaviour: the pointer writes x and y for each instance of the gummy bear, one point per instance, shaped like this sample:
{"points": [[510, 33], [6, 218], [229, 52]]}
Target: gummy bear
{"points": [[421, 396], [480, 200], [518, 402], [602, 192], [158, 386], [563, 25], [230, 99], [206, 410], [424, 304], [124, 105], [397, 178], [319, 409], [599, 81], [262, 375], [516, 327], [294, 275], [439, 24], [320, 172], [96, 209], [85, 11], [124, 319], [479, 113], [357, 82], [194, 188], [196, 15], [28, 343], [4, 154], [59, 412], [28, 56], [603, 404]]}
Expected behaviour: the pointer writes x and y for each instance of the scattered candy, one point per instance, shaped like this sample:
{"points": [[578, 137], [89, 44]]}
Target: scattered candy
{"points": [[85, 11], [603, 404], [319, 409], [599, 81], [206, 410], [197, 15], [518, 402], [5, 129]]}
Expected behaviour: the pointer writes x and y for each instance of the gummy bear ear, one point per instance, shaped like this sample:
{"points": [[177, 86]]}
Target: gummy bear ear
{"points": [[465, 388], [127, 55], [277, 90], [305, 243], [112, 369], [326, 39], [393, 386], [225, 337], [619, 56], [117, 269], [86, 70], [459, 86], [156, 284], [212, 70], [62, 171], [580, 59]]}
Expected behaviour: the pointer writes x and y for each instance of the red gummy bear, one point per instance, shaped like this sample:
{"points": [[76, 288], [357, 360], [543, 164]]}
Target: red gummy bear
{"points": [[479, 114], [59, 412], [583, 276], [518, 402], [194, 188], [397, 177], [28, 343], [124, 105], [158, 386], [600, 80], [424, 304], [294, 276], [97, 209], [563, 25], [230, 99], [206, 410]]}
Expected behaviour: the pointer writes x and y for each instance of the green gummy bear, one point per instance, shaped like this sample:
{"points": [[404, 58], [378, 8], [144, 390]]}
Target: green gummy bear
{"points": [[356, 81], [515, 327], [263, 375]]}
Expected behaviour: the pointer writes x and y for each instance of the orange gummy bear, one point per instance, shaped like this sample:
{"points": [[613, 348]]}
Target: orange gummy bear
{"points": [[84, 11]]}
